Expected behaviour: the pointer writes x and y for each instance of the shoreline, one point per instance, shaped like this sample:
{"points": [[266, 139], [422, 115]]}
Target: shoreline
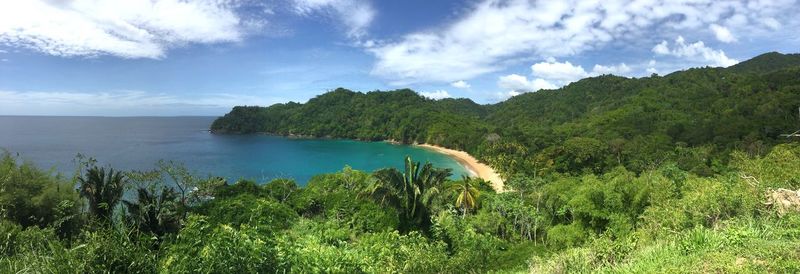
{"points": [[471, 164], [476, 168]]}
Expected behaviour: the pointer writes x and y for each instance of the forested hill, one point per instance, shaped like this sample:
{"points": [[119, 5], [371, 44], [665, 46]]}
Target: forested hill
{"points": [[693, 118], [767, 62]]}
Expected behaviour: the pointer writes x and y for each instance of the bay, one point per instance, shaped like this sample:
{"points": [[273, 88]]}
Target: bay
{"points": [[137, 143]]}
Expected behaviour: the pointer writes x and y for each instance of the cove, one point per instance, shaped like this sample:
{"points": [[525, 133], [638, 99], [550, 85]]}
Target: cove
{"points": [[137, 143]]}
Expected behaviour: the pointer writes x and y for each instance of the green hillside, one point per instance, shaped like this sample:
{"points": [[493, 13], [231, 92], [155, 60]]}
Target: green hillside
{"points": [[695, 117], [767, 62]]}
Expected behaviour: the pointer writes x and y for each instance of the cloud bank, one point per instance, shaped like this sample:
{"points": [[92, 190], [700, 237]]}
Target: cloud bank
{"points": [[460, 84], [436, 95], [496, 33], [121, 103], [149, 29], [694, 51], [356, 15], [129, 29], [552, 74]]}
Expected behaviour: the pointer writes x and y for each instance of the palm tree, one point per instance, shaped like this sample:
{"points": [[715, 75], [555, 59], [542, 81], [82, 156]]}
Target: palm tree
{"points": [[467, 194], [157, 213], [410, 192], [102, 190]]}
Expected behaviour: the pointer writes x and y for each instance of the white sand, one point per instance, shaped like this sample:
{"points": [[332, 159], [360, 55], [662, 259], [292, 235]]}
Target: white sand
{"points": [[475, 167]]}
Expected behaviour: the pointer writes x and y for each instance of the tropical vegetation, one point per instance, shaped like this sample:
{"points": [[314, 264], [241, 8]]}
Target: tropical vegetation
{"points": [[682, 173]]}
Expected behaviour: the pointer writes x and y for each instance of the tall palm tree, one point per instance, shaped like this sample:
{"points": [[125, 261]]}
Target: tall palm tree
{"points": [[410, 192], [467, 193], [157, 213], [102, 190]]}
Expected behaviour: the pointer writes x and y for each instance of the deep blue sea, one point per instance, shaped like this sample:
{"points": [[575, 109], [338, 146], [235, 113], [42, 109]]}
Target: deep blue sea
{"points": [[137, 143]]}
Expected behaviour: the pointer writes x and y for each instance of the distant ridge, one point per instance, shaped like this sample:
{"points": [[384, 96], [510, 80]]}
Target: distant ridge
{"points": [[767, 62]]}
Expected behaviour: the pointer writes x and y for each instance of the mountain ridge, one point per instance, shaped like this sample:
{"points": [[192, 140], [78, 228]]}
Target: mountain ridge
{"points": [[639, 121]]}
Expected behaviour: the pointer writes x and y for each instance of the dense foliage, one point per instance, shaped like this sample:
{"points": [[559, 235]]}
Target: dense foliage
{"points": [[616, 178], [663, 219]]}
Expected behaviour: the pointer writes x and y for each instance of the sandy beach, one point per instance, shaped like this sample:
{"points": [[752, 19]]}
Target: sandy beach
{"points": [[476, 168]]}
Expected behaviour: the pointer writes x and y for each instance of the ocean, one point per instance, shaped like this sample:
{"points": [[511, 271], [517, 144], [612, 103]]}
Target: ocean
{"points": [[137, 143]]}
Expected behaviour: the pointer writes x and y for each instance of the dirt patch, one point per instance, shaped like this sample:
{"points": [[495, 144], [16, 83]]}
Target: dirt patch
{"points": [[783, 200]]}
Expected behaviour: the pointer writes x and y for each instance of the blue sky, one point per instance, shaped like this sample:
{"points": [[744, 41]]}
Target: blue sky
{"points": [[171, 57]]}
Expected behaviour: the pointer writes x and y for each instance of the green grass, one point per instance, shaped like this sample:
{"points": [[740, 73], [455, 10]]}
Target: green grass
{"points": [[515, 258], [768, 245]]}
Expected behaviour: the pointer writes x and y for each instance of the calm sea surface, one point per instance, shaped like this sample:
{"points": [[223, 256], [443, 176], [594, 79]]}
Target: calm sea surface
{"points": [[137, 143]]}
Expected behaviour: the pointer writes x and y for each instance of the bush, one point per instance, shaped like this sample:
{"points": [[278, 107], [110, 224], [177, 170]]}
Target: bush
{"points": [[573, 260], [315, 253], [32, 197], [40, 250], [778, 169], [282, 190], [117, 251], [36, 249], [263, 214], [471, 251], [9, 232], [338, 197], [243, 187], [304, 251], [390, 252], [562, 236], [206, 247]]}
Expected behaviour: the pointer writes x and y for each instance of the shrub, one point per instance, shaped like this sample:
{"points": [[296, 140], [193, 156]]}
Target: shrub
{"points": [[471, 251], [206, 247], [263, 214], [562, 236], [337, 197], [32, 197], [391, 252]]}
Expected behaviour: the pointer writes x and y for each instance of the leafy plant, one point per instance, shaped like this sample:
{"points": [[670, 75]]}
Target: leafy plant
{"points": [[467, 194], [103, 190], [410, 192], [155, 212]]}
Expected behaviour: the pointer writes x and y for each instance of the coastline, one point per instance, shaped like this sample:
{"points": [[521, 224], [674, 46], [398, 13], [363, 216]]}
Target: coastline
{"points": [[471, 164], [475, 167]]}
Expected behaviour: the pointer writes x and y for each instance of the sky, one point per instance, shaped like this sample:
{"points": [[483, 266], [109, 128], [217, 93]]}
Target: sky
{"points": [[173, 57]]}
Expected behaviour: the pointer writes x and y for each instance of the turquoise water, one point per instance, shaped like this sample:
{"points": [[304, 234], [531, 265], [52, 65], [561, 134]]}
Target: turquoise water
{"points": [[137, 143]]}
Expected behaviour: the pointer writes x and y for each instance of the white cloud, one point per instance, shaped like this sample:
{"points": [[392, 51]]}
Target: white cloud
{"points": [[661, 48], [354, 14], [696, 52], [460, 84], [122, 103], [494, 34], [562, 72], [552, 74], [723, 34], [651, 67], [621, 69], [130, 29], [500, 95], [772, 23], [436, 95], [517, 84]]}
